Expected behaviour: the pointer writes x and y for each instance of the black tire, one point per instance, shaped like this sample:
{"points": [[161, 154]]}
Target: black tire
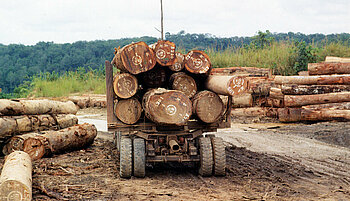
{"points": [[125, 159], [139, 157], [206, 157], [219, 156]]}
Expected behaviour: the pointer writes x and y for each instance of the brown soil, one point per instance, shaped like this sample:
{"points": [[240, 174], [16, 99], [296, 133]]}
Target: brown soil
{"points": [[264, 162]]}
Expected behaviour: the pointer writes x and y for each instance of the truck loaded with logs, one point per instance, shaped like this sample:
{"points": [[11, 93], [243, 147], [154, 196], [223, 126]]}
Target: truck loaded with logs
{"points": [[161, 102]]}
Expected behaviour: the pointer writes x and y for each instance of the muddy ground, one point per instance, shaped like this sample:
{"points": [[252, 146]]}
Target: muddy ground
{"points": [[265, 161]]}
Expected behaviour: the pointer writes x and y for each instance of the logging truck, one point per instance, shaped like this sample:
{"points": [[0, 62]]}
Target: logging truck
{"points": [[145, 142]]}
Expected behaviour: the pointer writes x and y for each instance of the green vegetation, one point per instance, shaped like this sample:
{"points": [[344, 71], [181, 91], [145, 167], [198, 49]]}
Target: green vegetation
{"points": [[48, 69]]}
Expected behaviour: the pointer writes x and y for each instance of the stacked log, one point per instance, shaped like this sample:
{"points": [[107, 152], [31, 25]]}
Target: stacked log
{"points": [[172, 92]]}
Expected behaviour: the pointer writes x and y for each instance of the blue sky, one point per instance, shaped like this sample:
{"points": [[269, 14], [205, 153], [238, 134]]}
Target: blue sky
{"points": [[61, 21]]}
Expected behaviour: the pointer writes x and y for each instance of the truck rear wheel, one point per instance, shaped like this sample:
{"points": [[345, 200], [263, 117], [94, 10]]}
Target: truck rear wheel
{"points": [[125, 162], [206, 157], [139, 157], [219, 156]]}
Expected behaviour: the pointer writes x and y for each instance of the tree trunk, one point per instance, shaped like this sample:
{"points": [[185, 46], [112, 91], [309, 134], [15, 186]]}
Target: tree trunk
{"points": [[178, 62], [125, 85], [208, 106], [197, 62], [337, 59], [155, 78], [276, 93], [243, 71], [313, 80], [295, 101], [300, 114], [259, 85], [313, 89], [328, 68], [254, 112], [227, 85], [243, 100], [330, 106], [128, 111], [185, 83], [10, 126], [16, 143], [16, 177], [167, 106], [53, 142], [165, 52], [20, 107], [135, 58]]}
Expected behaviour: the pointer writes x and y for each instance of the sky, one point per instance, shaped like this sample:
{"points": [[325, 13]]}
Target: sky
{"points": [[65, 21]]}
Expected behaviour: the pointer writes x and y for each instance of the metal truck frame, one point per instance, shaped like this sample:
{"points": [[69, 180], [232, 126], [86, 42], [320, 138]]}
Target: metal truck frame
{"points": [[147, 142]]}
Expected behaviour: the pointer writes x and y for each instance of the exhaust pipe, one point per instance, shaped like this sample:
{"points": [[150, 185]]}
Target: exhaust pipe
{"points": [[174, 146]]}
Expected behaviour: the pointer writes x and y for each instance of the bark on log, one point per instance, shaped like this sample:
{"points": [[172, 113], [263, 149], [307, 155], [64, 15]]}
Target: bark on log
{"points": [[254, 112], [16, 177], [10, 126], [227, 85], [276, 93], [20, 107], [272, 102], [243, 100], [185, 83], [80, 101], [208, 106], [300, 114], [54, 142], [328, 68], [259, 86], [313, 89], [167, 106], [135, 58], [313, 80], [330, 59], [303, 73], [165, 52], [155, 78], [243, 71], [125, 85], [178, 62], [295, 101], [330, 106], [197, 62], [128, 111], [16, 143]]}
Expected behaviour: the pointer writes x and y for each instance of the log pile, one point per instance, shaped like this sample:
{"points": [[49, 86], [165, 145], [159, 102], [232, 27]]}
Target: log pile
{"points": [[157, 84]]}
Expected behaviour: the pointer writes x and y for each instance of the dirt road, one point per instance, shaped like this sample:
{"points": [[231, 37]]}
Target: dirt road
{"points": [[264, 162]]}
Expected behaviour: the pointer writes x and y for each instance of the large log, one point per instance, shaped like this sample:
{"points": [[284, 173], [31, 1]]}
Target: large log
{"points": [[125, 85], [276, 93], [313, 89], [208, 106], [12, 125], [243, 71], [167, 106], [54, 142], [243, 100], [259, 85], [227, 85], [330, 106], [295, 100], [155, 78], [135, 58], [328, 68], [178, 62], [165, 52], [254, 112], [20, 107], [330, 59], [182, 82], [16, 143], [313, 80], [301, 114], [197, 62], [16, 177], [128, 111]]}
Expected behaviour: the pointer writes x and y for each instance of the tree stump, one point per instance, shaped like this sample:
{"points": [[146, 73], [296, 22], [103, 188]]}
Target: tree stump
{"points": [[125, 85], [167, 106], [185, 83], [208, 106], [128, 111], [197, 62]]}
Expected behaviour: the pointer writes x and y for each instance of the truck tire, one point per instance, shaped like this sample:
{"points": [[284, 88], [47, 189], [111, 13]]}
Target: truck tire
{"points": [[219, 156], [206, 157], [139, 157], [125, 162]]}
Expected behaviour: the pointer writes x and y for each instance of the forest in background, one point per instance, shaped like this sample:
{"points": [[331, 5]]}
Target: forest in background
{"points": [[286, 53]]}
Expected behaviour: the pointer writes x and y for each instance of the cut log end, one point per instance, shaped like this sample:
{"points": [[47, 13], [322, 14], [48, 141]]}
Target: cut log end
{"points": [[165, 52], [125, 85], [197, 62], [14, 190], [128, 111], [178, 62], [34, 147], [185, 83], [154, 78], [208, 106]]}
